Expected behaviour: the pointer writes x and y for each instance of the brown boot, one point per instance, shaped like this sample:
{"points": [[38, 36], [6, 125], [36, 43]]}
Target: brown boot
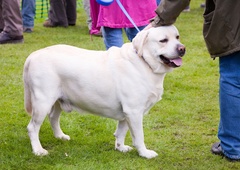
{"points": [[48, 23]]}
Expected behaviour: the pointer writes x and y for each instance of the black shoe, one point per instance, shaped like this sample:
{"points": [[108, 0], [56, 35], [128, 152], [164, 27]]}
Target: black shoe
{"points": [[27, 30], [48, 23], [72, 24], [6, 38], [217, 150]]}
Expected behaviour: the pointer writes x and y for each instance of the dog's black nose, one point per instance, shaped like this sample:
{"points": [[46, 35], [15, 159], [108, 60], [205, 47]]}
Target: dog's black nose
{"points": [[181, 50]]}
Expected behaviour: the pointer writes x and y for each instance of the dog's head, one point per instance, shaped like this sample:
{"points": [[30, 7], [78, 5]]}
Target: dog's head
{"points": [[160, 48]]}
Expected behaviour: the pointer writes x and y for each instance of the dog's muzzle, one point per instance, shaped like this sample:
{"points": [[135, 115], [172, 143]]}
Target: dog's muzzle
{"points": [[176, 62]]}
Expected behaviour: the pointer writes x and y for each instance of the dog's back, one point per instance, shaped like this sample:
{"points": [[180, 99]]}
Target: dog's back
{"points": [[59, 72]]}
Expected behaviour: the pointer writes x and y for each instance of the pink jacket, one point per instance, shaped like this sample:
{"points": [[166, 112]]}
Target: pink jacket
{"points": [[141, 11]]}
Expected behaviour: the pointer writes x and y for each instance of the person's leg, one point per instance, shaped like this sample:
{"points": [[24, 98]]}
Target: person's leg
{"points": [[12, 17], [112, 37], [57, 14], [28, 13], [94, 13], [132, 32], [229, 96], [1, 18], [86, 6], [12, 21], [71, 11]]}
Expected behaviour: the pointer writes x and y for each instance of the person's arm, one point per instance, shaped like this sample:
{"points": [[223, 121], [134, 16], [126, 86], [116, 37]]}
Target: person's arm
{"points": [[168, 11]]}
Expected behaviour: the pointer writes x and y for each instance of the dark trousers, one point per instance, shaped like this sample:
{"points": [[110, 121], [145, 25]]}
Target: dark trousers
{"points": [[10, 17], [63, 12]]}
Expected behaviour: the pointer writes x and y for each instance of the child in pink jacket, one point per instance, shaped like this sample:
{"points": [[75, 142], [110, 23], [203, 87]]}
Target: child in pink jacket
{"points": [[112, 20]]}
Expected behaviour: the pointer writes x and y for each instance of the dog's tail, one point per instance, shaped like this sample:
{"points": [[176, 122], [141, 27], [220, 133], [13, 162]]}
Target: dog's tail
{"points": [[27, 92]]}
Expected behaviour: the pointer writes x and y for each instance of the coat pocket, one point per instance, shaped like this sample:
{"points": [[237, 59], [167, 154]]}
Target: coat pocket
{"points": [[217, 33]]}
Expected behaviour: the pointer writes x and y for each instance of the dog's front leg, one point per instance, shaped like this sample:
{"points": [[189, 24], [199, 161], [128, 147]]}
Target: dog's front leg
{"points": [[135, 122], [120, 137]]}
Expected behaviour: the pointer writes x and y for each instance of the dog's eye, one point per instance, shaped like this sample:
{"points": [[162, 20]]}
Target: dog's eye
{"points": [[164, 40], [177, 37]]}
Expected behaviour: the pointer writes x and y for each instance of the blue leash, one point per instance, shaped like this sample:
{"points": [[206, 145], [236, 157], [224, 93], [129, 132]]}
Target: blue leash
{"points": [[127, 15]]}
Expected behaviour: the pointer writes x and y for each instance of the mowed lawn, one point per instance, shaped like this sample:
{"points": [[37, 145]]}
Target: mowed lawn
{"points": [[180, 128]]}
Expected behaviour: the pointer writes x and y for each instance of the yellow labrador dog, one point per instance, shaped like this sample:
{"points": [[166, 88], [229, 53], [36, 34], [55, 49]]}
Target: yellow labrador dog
{"points": [[121, 83]]}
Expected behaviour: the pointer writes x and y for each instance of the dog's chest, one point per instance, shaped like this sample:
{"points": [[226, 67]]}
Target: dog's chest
{"points": [[153, 98]]}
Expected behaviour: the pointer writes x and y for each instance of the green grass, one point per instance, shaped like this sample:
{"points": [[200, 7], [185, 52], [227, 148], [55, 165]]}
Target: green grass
{"points": [[180, 128]]}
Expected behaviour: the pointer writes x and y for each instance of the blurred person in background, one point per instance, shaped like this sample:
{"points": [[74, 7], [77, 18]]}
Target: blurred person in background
{"points": [[113, 21], [91, 25], [28, 15], [62, 13], [11, 26]]}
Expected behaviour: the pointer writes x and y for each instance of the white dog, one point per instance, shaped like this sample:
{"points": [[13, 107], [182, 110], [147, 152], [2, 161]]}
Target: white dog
{"points": [[121, 83]]}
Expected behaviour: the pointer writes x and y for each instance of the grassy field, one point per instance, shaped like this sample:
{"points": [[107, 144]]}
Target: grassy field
{"points": [[181, 127]]}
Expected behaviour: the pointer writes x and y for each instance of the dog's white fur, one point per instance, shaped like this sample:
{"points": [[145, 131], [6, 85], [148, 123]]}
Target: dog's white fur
{"points": [[121, 83]]}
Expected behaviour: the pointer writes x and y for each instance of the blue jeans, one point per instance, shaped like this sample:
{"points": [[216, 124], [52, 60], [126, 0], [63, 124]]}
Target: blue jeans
{"points": [[28, 13], [229, 96], [113, 36]]}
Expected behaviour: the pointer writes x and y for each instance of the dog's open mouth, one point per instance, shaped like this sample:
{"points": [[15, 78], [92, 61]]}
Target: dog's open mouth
{"points": [[177, 62]]}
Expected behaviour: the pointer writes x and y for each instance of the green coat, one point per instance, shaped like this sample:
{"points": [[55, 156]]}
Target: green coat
{"points": [[221, 28]]}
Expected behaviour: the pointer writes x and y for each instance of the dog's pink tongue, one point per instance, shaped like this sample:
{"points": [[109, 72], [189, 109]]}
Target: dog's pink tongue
{"points": [[177, 61]]}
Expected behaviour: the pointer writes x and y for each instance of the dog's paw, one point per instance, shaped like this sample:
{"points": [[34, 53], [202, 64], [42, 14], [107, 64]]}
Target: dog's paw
{"points": [[40, 152], [148, 154], [63, 137], [123, 148]]}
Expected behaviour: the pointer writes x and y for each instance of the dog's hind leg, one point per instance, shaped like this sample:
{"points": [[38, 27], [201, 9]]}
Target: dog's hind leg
{"points": [[120, 137], [39, 112], [54, 118]]}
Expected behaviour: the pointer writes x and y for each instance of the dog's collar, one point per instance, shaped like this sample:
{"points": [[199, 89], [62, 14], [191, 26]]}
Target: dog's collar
{"points": [[141, 56]]}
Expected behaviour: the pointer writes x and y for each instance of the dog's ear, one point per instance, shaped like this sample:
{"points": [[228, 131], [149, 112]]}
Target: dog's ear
{"points": [[139, 40]]}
